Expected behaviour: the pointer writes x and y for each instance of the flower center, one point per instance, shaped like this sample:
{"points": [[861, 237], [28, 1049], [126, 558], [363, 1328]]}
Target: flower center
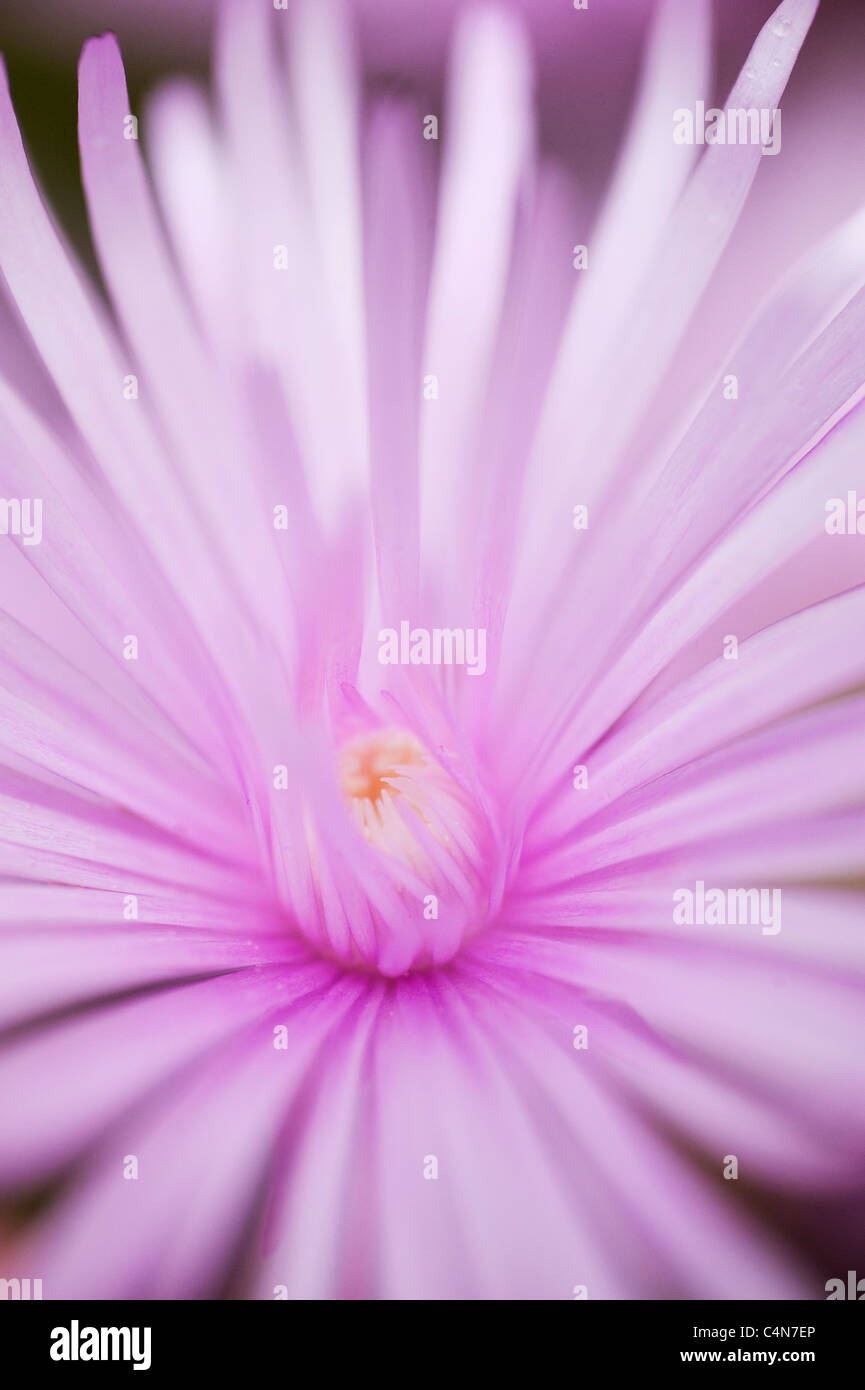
{"points": [[399, 795], [372, 763], [432, 837]]}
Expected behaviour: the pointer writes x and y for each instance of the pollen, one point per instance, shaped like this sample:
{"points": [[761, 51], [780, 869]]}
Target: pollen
{"points": [[423, 823], [396, 792], [372, 763]]}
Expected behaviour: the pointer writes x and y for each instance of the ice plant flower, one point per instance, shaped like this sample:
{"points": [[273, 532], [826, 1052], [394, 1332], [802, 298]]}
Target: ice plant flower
{"points": [[333, 977]]}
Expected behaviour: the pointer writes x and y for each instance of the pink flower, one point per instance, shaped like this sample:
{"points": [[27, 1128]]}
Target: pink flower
{"points": [[429, 714]]}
